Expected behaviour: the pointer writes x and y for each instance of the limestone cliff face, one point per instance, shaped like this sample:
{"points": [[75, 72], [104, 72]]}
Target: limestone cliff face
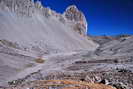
{"points": [[21, 7], [73, 14]]}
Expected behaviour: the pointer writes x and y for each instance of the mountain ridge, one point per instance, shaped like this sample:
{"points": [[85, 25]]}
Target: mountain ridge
{"points": [[25, 15]]}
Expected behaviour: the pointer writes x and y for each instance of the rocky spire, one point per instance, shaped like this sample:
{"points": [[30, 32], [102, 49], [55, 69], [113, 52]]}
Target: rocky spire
{"points": [[38, 5], [73, 14]]}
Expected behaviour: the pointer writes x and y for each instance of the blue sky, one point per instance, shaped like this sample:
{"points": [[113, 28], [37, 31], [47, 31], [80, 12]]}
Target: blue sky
{"points": [[104, 17]]}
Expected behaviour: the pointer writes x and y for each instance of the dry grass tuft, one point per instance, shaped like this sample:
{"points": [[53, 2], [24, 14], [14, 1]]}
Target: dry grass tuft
{"points": [[39, 60], [63, 84], [29, 65], [74, 84]]}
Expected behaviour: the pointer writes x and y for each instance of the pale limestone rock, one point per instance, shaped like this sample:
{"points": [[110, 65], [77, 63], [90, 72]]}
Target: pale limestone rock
{"points": [[73, 14]]}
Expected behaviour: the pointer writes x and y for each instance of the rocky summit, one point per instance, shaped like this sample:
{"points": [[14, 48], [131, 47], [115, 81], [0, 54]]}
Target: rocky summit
{"points": [[73, 14], [43, 49]]}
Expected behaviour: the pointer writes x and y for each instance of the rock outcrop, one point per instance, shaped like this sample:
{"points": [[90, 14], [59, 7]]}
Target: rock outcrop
{"points": [[21, 7], [73, 14]]}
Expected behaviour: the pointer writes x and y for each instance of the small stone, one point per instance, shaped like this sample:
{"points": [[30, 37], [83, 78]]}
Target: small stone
{"points": [[104, 81], [120, 86]]}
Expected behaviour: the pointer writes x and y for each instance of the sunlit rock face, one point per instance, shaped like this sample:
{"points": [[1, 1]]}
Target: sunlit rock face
{"points": [[21, 7], [73, 14]]}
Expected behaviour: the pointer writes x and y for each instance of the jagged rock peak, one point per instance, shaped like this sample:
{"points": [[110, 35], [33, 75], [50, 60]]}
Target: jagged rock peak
{"points": [[22, 7], [38, 4], [72, 13]]}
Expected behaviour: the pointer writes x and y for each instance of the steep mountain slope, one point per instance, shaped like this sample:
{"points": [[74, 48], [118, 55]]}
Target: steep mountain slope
{"points": [[29, 31], [38, 31], [116, 46]]}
